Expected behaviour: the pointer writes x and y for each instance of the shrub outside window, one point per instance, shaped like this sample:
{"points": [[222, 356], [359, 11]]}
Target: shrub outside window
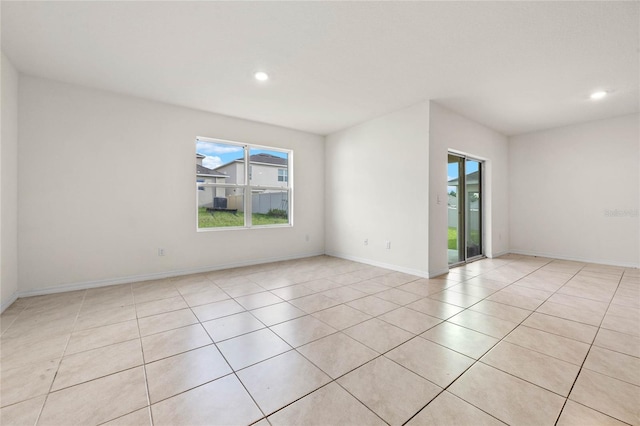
{"points": [[232, 195]]}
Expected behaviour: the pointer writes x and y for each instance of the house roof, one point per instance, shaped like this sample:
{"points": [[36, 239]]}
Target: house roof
{"points": [[262, 159], [202, 170], [268, 159], [472, 178]]}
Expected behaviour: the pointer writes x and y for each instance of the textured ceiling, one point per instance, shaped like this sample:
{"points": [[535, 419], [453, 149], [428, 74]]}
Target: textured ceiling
{"points": [[513, 66]]}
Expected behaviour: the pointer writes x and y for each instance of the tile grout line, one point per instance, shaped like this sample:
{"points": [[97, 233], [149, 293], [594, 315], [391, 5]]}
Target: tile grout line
{"points": [[472, 364], [503, 339], [144, 371], [587, 356], [144, 363], [84, 296], [522, 324], [318, 292], [299, 353], [545, 331], [335, 380], [485, 298], [233, 371], [389, 350]]}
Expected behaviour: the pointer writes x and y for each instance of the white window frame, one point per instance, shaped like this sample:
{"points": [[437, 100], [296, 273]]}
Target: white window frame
{"points": [[248, 188], [285, 175]]}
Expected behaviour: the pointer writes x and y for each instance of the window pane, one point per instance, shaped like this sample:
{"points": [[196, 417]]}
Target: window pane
{"points": [[218, 162], [472, 209], [454, 200], [220, 207], [227, 172], [270, 207], [269, 168]]}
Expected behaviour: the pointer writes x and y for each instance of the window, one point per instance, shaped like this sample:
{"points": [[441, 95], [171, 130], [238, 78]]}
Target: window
{"points": [[241, 185], [283, 176]]}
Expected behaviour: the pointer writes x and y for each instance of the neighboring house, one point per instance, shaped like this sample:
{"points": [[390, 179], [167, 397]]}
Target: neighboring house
{"points": [[206, 175], [472, 189], [264, 170], [472, 196]]}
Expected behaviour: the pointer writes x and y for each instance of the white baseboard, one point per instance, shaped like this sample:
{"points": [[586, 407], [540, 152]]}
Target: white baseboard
{"points": [[411, 271], [6, 303], [576, 259], [175, 273], [438, 273], [502, 253], [155, 276]]}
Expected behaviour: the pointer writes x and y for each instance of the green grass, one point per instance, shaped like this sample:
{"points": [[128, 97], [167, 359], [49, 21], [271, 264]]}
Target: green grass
{"points": [[226, 219], [453, 238]]}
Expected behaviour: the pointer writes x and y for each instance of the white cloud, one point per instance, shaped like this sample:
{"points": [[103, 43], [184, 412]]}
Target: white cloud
{"points": [[210, 148], [211, 162]]}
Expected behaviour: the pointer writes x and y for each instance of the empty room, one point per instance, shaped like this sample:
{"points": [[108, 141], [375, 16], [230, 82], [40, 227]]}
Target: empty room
{"points": [[320, 213]]}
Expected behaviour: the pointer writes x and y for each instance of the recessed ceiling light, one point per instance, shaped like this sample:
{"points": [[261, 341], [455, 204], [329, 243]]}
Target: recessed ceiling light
{"points": [[261, 76], [598, 95]]}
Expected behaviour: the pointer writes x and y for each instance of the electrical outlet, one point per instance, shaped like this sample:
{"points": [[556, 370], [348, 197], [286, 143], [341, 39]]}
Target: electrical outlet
{"points": [[366, 241], [160, 252], [387, 245], [306, 238]]}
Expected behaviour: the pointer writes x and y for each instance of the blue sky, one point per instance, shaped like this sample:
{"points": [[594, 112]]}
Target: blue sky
{"points": [[452, 168], [218, 154], [452, 171]]}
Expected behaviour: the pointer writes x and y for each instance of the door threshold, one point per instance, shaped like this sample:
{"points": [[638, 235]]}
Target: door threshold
{"points": [[468, 261]]}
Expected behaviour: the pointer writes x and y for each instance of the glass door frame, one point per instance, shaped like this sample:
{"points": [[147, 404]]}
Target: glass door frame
{"points": [[463, 206]]}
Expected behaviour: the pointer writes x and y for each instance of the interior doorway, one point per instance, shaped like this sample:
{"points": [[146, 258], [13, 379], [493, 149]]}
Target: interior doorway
{"points": [[464, 205]]}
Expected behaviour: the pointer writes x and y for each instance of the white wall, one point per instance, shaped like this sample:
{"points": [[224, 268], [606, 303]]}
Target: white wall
{"points": [[8, 184], [140, 194], [376, 188], [564, 180], [451, 131]]}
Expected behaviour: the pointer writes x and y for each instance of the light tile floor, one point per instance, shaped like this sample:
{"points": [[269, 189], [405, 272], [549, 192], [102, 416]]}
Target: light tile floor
{"points": [[515, 340]]}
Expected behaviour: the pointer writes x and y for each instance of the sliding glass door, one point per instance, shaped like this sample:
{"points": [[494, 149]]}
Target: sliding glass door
{"points": [[473, 208], [455, 205], [464, 204]]}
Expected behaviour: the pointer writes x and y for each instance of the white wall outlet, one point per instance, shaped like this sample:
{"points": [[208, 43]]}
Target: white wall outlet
{"points": [[387, 245], [160, 252], [306, 238], [366, 241]]}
